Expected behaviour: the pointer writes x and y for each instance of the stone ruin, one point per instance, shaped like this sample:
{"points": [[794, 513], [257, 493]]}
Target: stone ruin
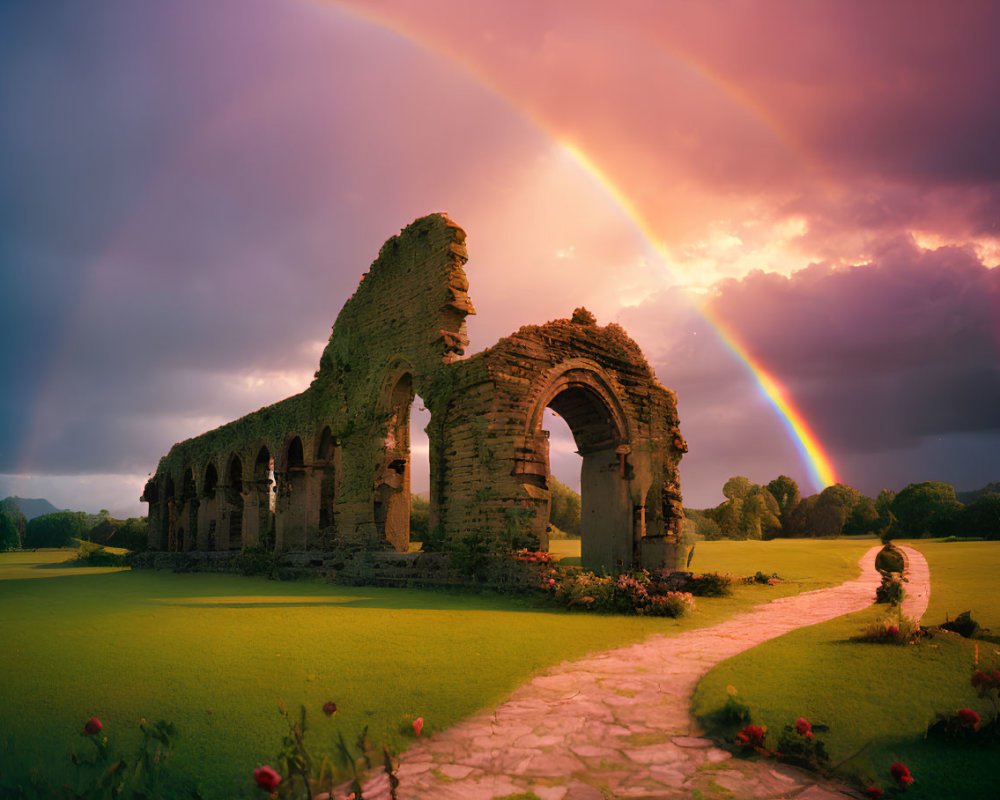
{"points": [[333, 463]]}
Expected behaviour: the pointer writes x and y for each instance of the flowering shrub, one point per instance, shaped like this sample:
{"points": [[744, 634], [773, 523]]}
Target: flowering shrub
{"points": [[968, 718], [630, 593], [709, 584], [797, 744], [901, 774], [903, 631], [752, 737], [761, 577], [967, 723]]}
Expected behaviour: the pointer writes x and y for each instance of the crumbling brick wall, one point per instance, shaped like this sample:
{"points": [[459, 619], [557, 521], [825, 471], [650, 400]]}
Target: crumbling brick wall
{"points": [[339, 452]]}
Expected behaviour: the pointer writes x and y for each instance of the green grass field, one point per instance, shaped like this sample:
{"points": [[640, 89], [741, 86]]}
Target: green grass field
{"points": [[883, 694], [215, 654]]}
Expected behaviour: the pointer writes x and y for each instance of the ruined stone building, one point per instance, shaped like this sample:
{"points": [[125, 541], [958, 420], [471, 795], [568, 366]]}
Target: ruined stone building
{"points": [[339, 452]]}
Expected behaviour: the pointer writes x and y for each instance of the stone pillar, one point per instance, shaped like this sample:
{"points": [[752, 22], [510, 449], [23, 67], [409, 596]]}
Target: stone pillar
{"points": [[605, 513]]}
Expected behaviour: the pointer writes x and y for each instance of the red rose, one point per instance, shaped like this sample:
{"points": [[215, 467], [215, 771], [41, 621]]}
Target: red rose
{"points": [[803, 728], [92, 726], [751, 736], [418, 725], [968, 718], [874, 792], [979, 678], [901, 774], [330, 708], [267, 779]]}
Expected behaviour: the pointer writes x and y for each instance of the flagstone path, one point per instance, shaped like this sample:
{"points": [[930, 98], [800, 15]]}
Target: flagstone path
{"points": [[617, 724]]}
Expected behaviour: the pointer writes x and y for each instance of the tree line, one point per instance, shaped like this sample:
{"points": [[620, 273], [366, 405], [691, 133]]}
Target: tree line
{"points": [[60, 528], [777, 509]]}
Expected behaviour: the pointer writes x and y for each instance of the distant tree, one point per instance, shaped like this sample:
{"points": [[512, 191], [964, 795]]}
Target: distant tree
{"points": [[785, 492], [824, 514], [863, 519], [13, 511], [737, 487], [761, 514], [9, 540], [980, 518], [56, 530], [925, 509], [564, 508], [749, 511]]}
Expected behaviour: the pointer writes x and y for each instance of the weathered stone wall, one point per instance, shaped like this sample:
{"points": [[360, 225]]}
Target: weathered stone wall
{"points": [[339, 452]]}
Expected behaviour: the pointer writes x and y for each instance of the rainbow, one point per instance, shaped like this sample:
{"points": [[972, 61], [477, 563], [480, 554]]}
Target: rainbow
{"points": [[817, 461]]}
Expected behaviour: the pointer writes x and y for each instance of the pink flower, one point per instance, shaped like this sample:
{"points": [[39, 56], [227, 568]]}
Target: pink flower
{"points": [[874, 792], [892, 630], [803, 728], [901, 774], [418, 725], [267, 779], [968, 718], [92, 726], [751, 736], [330, 708]]}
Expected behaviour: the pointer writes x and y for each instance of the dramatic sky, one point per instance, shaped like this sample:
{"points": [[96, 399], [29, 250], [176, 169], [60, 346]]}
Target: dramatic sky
{"points": [[189, 192]]}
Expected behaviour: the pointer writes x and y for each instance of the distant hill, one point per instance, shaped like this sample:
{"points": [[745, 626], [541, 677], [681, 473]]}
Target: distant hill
{"points": [[35, 507], [971, 497]]}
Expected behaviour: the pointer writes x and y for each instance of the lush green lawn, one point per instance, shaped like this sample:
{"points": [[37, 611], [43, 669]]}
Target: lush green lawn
{"points": [[963, 578], [216, 654], [885, 694]]}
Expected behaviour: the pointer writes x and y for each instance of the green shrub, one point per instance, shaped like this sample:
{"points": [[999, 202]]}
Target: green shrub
{"points": [[259, 560], [891, 589], [93, 555]]}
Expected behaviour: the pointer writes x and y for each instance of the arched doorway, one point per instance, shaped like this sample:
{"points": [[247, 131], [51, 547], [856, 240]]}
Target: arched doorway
{"points": [[593, 414], [391, 500], [261, 501]]}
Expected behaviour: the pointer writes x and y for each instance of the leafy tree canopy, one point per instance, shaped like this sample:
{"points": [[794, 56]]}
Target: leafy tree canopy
{"points": [[925, 509]]}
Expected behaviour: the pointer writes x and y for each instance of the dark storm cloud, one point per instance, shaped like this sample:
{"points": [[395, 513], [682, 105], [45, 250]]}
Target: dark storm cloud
{"points": [[881, 355]]}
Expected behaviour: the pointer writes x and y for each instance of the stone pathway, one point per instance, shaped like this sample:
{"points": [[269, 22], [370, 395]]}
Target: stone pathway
{"points": [[617, 724]]}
